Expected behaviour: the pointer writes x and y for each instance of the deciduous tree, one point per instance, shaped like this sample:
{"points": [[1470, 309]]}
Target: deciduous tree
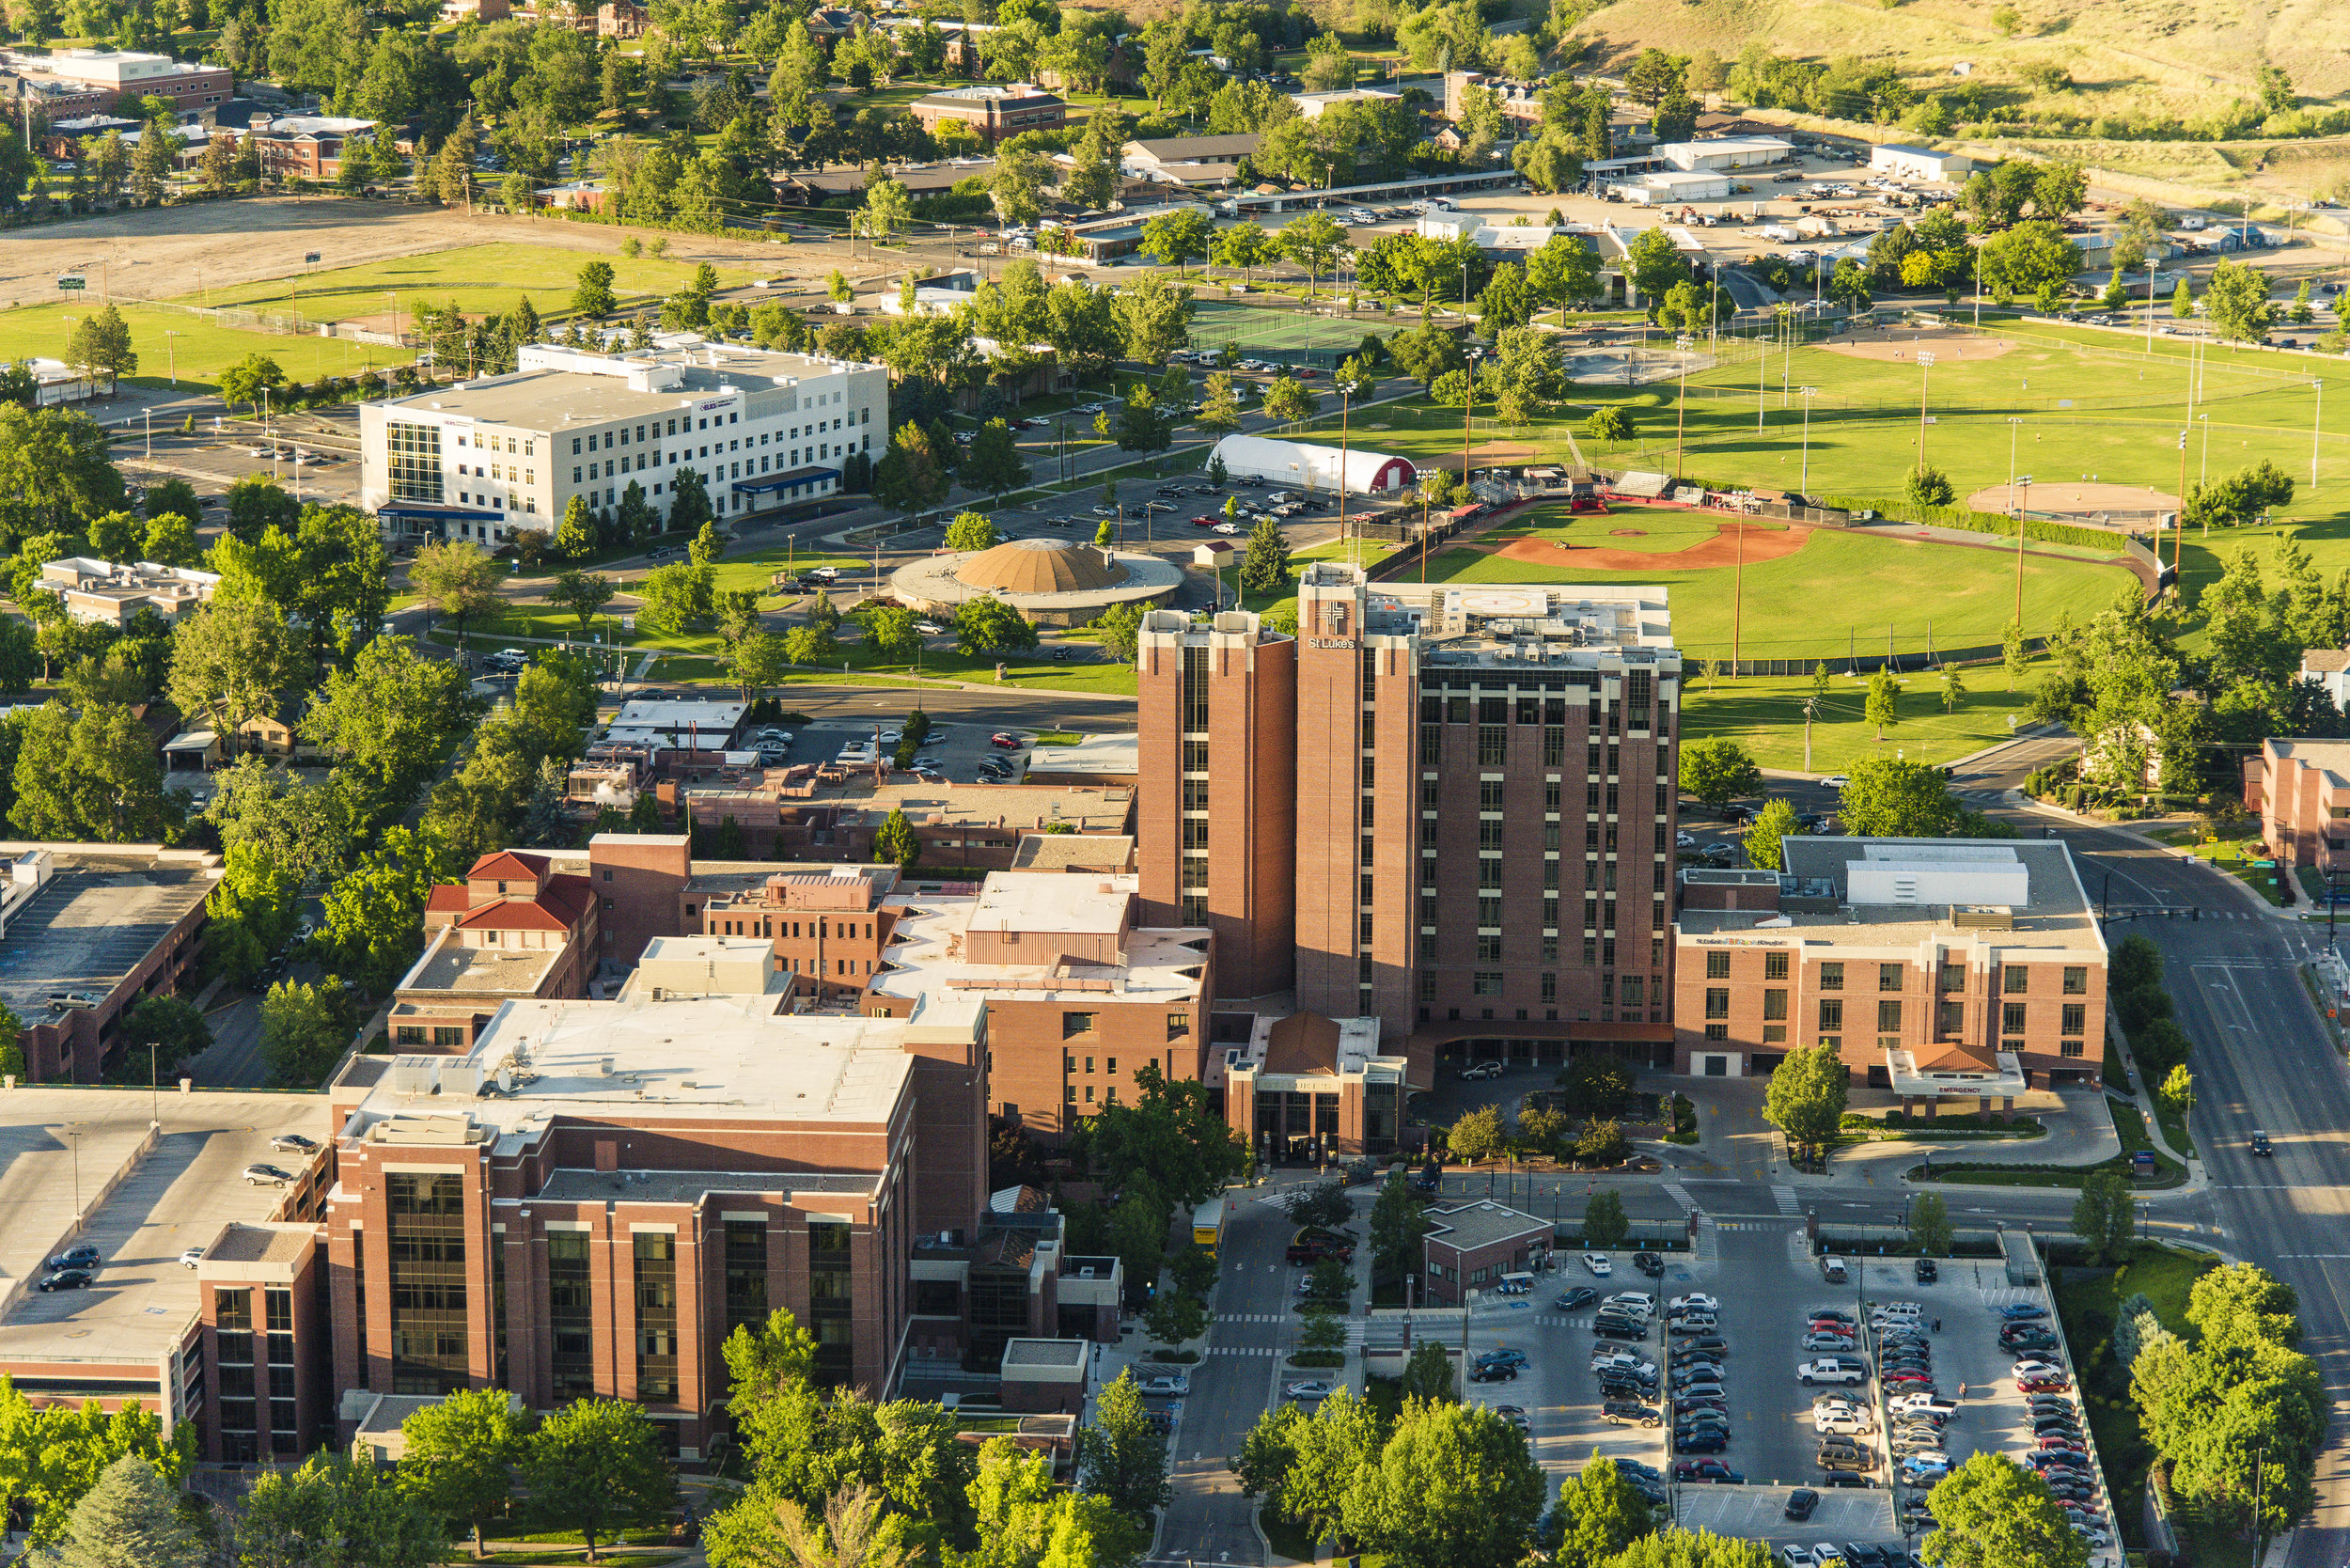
{"points": [[1808, 1093], [595, 1463], [460, 1455]]}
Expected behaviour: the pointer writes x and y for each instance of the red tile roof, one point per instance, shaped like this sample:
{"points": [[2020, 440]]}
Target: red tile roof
{"points": [[508, 866]]}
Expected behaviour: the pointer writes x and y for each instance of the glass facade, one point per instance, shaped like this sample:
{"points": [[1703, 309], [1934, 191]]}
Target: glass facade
{"points": [[413, 456], [831, 1301], [570, 1317], [240, 1417], [429, 1349], [656, 1317]]}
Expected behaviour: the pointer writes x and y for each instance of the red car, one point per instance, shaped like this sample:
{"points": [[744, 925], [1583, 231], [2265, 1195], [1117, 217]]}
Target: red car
{"points": [[2041, 1386], [1704, 1469], [1003, 741], [1205, 522]]}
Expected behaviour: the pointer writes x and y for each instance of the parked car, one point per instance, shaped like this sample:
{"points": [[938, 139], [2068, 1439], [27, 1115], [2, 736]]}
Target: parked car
{"points": [[1707, 1469], [1582, 1295], [2260, 1143], [266, 1175], [1480, 1069], [1505, 1355], [1309, 1389], [1597, 1263], [1927, 1271], [1649, 1264], [2022, 1311], [66, 1279], [1624, 1412], [83, 1256], [1831, 1370], [1166, 1385], [1800, 1504]]}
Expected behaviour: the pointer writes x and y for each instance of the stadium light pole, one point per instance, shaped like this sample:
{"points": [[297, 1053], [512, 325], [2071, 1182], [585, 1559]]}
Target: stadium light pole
{"points": [[1680, 411], [172, 350], [2012, 424], [2178, 518], [2317, 421], [1925, 377]]}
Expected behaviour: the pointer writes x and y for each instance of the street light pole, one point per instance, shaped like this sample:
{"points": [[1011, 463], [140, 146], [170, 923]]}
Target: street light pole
{"points": [[1804, 484], [1681, 410], [2317, 421]]}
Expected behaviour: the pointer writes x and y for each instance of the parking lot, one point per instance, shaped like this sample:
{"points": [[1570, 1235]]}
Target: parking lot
{"points": [[1555, 1389], [956, 750]]}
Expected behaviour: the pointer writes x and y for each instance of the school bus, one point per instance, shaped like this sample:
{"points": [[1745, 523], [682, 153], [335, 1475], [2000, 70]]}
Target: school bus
{"points": [[1206, 1226]]}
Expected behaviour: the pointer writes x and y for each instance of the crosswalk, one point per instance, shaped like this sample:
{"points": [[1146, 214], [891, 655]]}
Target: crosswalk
{"points": [[1245, 1350], [1255, 1317], [1680, 1194], [1789, 1203]]}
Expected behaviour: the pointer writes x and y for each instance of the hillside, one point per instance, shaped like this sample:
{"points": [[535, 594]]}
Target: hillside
{"points": [[2176, 57]]}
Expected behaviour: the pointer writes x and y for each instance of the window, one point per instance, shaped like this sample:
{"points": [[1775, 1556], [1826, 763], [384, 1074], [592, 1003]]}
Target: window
{"points": [[1831, 1012], [1774, 1004], [427, 1215], [2014, 980], [1485, 982], [2072, 1048], [2075, 981], [1950, 1018], [1717, 1031], [656, 1317], [1888, 1017], [2012, 1017], [1489, 794], [746, 1272], [1953, 977], [1831, 977], [2076, 1020], [1718, 965], [1773, 967], [1888, 976], [1178, 1024], [1717, 1001], [831, 1302], [1076, 1023], [1493, 744], [413, 458]]}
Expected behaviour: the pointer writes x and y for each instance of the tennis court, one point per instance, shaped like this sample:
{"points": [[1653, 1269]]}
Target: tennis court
{"points": [[1295, 335]]}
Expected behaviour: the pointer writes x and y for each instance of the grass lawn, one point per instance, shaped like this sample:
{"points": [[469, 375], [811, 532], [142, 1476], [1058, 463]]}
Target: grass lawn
{"points": [[1913, 593], [1294, 1541], [2088, 1301], [2237, 857], [2127, 1124], [200, 352], [478, 277], [1765, 714]]}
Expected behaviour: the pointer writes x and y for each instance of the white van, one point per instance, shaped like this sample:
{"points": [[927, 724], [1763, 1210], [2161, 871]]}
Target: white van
{"points": [[1832, 1270]]}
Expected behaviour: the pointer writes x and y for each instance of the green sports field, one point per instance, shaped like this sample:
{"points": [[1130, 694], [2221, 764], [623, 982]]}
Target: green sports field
{"points": [[1840, 591], [1325, 339], [479, 277], [200, 350]]}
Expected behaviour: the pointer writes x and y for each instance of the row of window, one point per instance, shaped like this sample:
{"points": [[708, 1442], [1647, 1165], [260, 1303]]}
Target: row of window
{"points": [[2016, 979]]}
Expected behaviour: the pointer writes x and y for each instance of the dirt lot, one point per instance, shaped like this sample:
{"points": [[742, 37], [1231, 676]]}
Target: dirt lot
{"points": [[2077, 498], [168, 252], [1762, 544]]}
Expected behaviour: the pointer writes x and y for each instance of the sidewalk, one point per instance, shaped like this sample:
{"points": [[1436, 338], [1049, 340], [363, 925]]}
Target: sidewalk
{"points": [[2079, 1133]]}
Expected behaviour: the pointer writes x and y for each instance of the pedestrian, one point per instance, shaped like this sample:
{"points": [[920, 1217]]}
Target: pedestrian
{"points": [[1938, 1325]]}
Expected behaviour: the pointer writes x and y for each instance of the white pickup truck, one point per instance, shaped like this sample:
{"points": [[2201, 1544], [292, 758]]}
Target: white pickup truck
{"points": [[1831, 1369]]}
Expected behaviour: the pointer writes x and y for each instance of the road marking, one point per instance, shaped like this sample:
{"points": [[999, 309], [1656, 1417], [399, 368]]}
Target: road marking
{"points": [[1788, 1202]]}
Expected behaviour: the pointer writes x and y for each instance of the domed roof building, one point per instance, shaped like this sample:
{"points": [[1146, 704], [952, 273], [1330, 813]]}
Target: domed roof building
{"points": [[1053, 582]]}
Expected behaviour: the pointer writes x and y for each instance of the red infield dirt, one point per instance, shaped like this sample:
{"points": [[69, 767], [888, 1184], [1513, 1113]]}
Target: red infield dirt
{"points": [[1904, 342], [1762, 544]]}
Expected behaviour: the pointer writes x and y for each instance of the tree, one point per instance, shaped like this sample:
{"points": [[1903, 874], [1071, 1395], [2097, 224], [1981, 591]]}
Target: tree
{"points": [[1178, 236], [989, 626], [335, 1497], [1477, 1135], [1314, 241], [1154, 317], [1954, 688], [1806, 1095], [2237, 302], [1991, 1513], [911, 477], [1884, 701], [95, 776], [1605, 1224], [595, 1463], [1121, 1456], [1599, 1514], [2182, 300], [1888, 798], [460, 1455], [460, 579], [174, 1028], [1507, 302], [677, 597], [896, 840], [1397, 1229], [593, 294], [1455, 1486], [1929, 1224], [759, 661], [993, 462], [388, 720], [129, 1518], [1774, 823], [1290, 400], [235, 661], [1175, 1317], [575, 536], [256, 506], [2031, 254], [102, 343], [1718, 772], [246, 380], [372, 913], [1168, 1136], [583, 593], [2104, 1218]]}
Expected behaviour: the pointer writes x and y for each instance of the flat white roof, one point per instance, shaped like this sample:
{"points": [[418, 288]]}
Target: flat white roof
{"points": [[926, 959], [1058, 902]]}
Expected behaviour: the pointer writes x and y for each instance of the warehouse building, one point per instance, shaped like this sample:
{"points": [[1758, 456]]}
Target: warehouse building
{"points": [[1919, 162], [1722, 153], [1311, 468], [490, 459]]}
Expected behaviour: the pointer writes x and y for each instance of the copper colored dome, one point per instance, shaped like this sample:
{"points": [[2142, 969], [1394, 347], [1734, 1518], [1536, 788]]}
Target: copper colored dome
{"points": [[1040, 566]]}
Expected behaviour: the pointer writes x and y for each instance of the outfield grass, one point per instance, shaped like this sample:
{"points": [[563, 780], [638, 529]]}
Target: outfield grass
{"points": [[200, 352], [1810, 604], [489, 277]]}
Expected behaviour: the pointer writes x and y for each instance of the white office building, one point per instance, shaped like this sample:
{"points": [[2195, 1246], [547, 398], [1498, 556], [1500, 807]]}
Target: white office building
{"points": [[490, 459]]}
